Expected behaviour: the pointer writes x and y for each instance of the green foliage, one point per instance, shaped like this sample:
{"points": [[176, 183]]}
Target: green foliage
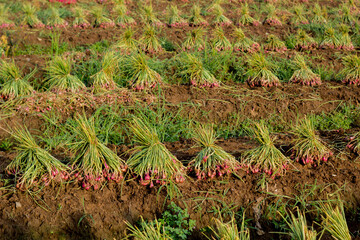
{"points": [[194, 40], [80, 18], [308, 147], [6, 145], [59, 76], [54, 18], [341, 118], [30, 18], [303, 74], [104, 79], [148, 15], [220, 41], [193, 69], [284, 69], [123, 19], [212, 160], [150, 159], [136, 68], [4, 15], [261, 72], [91, 154], [351, 70], [33, 164], [298, 16], [177, 223], [219, 18], [13, 84], [334, 220], [99, 14], [223, 65], [170, 125], [148, 231], [149, 41], [87, 69], [174, 18], [304, 41], [245, 18], [298, 227], [266, 157], [273, 43], [243, 43], [319, 14], [127, 43], [168, 45], [230, 231], [196, 19], [290, 41]]}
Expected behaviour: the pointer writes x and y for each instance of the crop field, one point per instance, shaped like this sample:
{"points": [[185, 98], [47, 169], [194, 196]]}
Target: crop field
{"points": [[180, 119]]}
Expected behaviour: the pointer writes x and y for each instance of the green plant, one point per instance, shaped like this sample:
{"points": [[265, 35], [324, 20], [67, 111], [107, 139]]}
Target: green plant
{"points": [[212, 160], [149, 17], [34, 165], [177, 223], [273, 43], [243, 43], [54, 20], [149, 42], [140, 73], [93, 161], [100, 18], [260, 71], [303, 41], [220, 42], [298, 227], [219, 18], [123, 19], [194, 40], [148, 231], [245, 18], [13, 84], [341, 118], [30, 17], [175, 20], [344, 38], [192, 68], [271, 17], [319, 14], [196, 19], [171, 125], [351, 71], [104, 78], [80, 20], [229, 230], [59, 76], [334, 221], [331, 39], [150, 159], [266, 157], [5, 22], [303, 74], [127, 44], [298, 16], [307, 146], [215, 4], [6, 145], [346, 16]]}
